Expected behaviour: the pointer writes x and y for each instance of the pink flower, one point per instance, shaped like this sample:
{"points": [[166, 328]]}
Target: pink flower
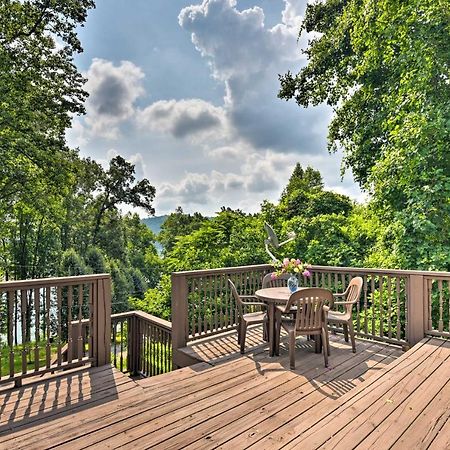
{"points": [[297, 261], [273, 276], [306, 273], [285, 261]]}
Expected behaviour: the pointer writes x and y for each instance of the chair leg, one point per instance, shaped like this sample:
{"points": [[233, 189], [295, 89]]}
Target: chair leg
{"points": [[292, 350], [325, 346], [328, 339], [243, 333], [277, 333], [239, 331], [352, 335], [345, 327]]}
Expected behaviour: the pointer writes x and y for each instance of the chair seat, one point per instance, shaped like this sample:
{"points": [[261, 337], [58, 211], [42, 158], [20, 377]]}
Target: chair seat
{"points": [[338, 316], [289, 326], [255, 317], [280, 309]]}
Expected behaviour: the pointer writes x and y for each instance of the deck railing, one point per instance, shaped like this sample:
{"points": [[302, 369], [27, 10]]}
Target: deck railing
{"points": [[41, 325], [396, 306], [141, 344]]}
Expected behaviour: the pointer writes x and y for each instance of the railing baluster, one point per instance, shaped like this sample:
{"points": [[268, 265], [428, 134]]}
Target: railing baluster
{"points": [[216, 303], [441, 307], [205, 284], [389, 317], [448, 298], [91, 320], [365, 288], [372, 286], [80, 318], [191, 308], [199, 307], [11, 305], [48, 347], [381, 283], [399, 325], [36, 327], [23, 311], [70, 343], [121, 345]]}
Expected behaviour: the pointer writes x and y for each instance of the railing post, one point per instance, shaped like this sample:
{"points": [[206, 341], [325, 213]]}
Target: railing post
{"points": [[180, 330], [102, 336], [416, 305]]}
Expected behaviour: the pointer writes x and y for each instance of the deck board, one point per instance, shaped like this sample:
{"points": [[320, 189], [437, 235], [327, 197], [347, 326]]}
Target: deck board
{"points": [[379, 397]]}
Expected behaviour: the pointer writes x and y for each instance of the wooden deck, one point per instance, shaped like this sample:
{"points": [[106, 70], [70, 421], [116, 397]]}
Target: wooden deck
{"points": [[378, 397]]}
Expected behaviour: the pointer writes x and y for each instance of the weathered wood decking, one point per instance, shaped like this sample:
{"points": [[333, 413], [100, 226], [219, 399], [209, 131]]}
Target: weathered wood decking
{"points": [[376, 397]]}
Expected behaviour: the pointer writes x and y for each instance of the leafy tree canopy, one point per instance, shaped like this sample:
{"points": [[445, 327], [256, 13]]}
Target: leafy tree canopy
{"points": [[384, 67], [40, 88], [178, 224]]}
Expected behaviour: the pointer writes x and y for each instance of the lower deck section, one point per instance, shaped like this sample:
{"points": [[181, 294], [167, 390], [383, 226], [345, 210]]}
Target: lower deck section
{"points": [[377, 397]]}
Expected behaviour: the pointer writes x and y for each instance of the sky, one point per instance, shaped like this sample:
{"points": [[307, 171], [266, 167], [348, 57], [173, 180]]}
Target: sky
{"points": [[187, 91]]}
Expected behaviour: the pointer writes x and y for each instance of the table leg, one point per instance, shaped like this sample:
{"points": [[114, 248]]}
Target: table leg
{"points": [[271, 329], [318, 343]]}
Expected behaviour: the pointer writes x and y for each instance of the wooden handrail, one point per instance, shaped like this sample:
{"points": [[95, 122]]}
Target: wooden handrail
{"points": [[161, 323], [55, 281], [331, 269]]}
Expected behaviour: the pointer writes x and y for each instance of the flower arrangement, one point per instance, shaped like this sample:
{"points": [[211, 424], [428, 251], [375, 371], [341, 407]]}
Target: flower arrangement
{"points": [[292, 266]]}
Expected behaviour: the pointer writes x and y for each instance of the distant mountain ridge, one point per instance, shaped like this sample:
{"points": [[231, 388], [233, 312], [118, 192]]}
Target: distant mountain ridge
{"points": [[154, 223]]}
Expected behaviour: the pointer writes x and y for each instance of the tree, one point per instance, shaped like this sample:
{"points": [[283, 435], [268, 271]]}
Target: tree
{"points": [[304, 180], [178, 224], [231, 238], [40, 89], [383, 66], [118, 187]]}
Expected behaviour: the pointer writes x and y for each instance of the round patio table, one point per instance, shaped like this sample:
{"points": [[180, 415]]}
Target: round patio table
{"points": [[274, 296]]}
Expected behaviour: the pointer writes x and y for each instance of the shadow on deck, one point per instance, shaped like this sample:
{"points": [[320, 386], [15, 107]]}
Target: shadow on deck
{"points": [[376, 397]]}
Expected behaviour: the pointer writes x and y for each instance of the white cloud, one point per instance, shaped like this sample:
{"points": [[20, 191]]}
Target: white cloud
{"points": [[247, 57], [192, 118], [113, 91]]}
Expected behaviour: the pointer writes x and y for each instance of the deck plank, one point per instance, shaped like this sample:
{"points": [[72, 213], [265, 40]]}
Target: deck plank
{"points": [[442, 440]]}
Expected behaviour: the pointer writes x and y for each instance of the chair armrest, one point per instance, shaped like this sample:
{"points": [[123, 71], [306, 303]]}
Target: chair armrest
{"points": [[343, 303], [254, 304], [252, 297], [339, 295]]}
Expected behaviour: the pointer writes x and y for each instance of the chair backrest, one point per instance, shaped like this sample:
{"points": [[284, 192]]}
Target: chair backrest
{"points": [[353, 293], [236, 297], [270, 281], [309, 302]]}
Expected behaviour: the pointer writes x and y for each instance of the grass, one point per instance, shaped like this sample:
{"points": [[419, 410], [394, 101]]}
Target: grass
{"points": [[29, 347]]}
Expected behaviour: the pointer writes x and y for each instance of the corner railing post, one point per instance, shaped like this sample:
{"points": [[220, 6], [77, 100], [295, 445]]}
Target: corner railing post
{"points": [[416, 306], [180, 331], [103, 322]]}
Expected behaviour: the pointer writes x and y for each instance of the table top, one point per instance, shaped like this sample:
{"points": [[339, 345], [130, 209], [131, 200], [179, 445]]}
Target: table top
{"points": [[275, 294]]}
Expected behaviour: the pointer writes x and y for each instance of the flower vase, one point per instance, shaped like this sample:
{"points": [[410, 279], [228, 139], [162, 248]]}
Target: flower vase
{"points": [[292, 283]]}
